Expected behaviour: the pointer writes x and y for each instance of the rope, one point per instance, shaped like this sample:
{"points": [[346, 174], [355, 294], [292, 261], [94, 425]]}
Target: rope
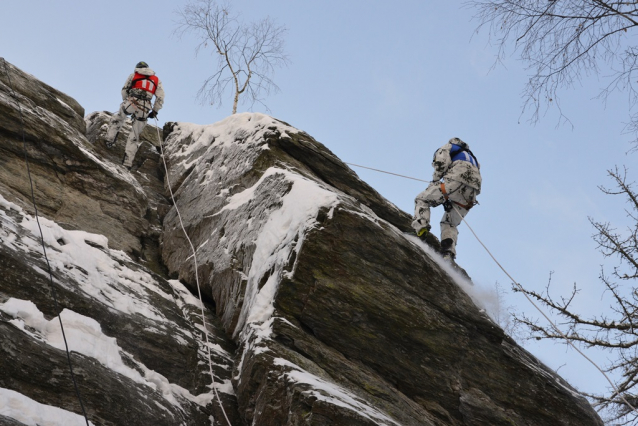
{"points": [[35, 207], [389, 173], [199, 291], [522, 289], [567, 339]]}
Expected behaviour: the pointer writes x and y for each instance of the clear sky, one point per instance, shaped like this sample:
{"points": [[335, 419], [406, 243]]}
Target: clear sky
{"points": [[381, 84]]}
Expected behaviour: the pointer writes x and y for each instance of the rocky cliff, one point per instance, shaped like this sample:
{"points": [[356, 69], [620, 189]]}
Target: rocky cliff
{"points": [[320, 308]]}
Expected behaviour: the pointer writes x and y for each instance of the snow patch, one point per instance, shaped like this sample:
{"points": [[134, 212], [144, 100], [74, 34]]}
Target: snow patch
{"points": [[84, 335], [332, 393], [82, 257], [25, 410], [282, 233]]}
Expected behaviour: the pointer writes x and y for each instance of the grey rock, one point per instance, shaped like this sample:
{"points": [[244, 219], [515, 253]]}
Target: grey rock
{"points": [[6, 421], [321, 308], [359, 307], [160, 374], [74, 183]]}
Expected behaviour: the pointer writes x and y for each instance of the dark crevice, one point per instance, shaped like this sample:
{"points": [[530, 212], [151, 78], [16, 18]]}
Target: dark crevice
{"points": [[209, 302]]}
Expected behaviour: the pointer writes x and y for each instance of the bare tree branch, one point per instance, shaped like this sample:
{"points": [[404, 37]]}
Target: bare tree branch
{"points": [[561, 41], [247, 54], [616, 332]]}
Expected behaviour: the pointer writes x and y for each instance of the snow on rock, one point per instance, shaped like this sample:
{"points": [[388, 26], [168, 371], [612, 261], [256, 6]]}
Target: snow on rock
{"points": [[282, 233], [82, 265], [84, 259], [16, 406], [332, 393], [85, 336], [336, 311], [318, 308]]}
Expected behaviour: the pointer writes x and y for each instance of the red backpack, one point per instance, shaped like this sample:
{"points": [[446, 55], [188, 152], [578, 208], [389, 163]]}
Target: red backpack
{"points": [[145, 82]]}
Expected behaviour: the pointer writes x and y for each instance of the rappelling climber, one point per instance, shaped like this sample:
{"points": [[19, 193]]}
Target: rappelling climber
{"points": [[458, 169], [137, 94]]}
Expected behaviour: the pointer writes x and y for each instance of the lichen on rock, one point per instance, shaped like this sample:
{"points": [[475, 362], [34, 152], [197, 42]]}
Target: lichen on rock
{"points": [[321, 307]]}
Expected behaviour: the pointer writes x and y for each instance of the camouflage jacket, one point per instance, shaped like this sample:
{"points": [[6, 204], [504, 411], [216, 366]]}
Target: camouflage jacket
{"points": [[459, 171]]}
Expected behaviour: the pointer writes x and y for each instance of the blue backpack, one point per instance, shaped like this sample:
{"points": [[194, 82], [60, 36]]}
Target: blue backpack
{"points": [[459, 153]]}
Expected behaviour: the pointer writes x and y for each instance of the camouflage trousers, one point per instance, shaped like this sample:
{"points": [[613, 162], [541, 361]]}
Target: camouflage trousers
{"points": [[433, 197], [138, 109]]}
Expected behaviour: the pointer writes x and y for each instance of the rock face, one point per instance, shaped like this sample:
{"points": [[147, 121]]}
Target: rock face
{"points": [[134, 335], [321, 309]]}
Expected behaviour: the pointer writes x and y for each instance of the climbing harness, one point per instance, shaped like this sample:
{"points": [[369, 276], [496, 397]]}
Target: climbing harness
{"points": [[522, 289], [35, 208], [448, 204], [199, 291], [144, 107]]}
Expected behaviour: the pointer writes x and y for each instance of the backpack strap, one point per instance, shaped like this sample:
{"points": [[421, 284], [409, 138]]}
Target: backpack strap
{"points": [[142, 78]]}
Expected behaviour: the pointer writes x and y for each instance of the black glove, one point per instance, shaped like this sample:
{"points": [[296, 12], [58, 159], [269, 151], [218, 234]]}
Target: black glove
{"points": [[152, 114]]}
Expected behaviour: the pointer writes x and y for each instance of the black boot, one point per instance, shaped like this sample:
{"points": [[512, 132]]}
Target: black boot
{"points": [[446, 249]]}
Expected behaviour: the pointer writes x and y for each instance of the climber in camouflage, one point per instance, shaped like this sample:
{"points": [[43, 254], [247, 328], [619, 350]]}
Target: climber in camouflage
{"points": [[137, 93], [457, 166]]}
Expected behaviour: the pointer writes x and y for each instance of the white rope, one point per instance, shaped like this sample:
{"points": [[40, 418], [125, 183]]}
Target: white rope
{"points": [[567, 339], [389, 173], [199, 291]]}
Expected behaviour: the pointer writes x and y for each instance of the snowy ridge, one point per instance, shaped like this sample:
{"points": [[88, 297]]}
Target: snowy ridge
{"points": [[332, 393], [250, 202], [282, 234], [16, 406], [77, 256], [81, 262], [275, 213]]}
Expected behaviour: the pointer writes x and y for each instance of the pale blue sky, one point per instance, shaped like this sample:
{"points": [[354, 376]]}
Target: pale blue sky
{"points": [[382, 84]]}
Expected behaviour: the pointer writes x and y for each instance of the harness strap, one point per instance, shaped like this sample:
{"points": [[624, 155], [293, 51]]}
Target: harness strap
{"points": [[446, 195], [136, 101], [140, 96], [142, 77]]}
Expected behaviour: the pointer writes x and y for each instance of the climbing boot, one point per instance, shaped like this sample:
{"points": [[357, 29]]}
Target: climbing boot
{"points": [[423, 232], [448, 256]]}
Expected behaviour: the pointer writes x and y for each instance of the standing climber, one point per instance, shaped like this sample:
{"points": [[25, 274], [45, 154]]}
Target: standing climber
{"points": [[137, 94], [459, 169]]}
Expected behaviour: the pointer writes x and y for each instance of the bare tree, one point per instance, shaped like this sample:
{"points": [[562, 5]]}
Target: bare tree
{"points": [[563, 40], [247, 53], [617, 331]]}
